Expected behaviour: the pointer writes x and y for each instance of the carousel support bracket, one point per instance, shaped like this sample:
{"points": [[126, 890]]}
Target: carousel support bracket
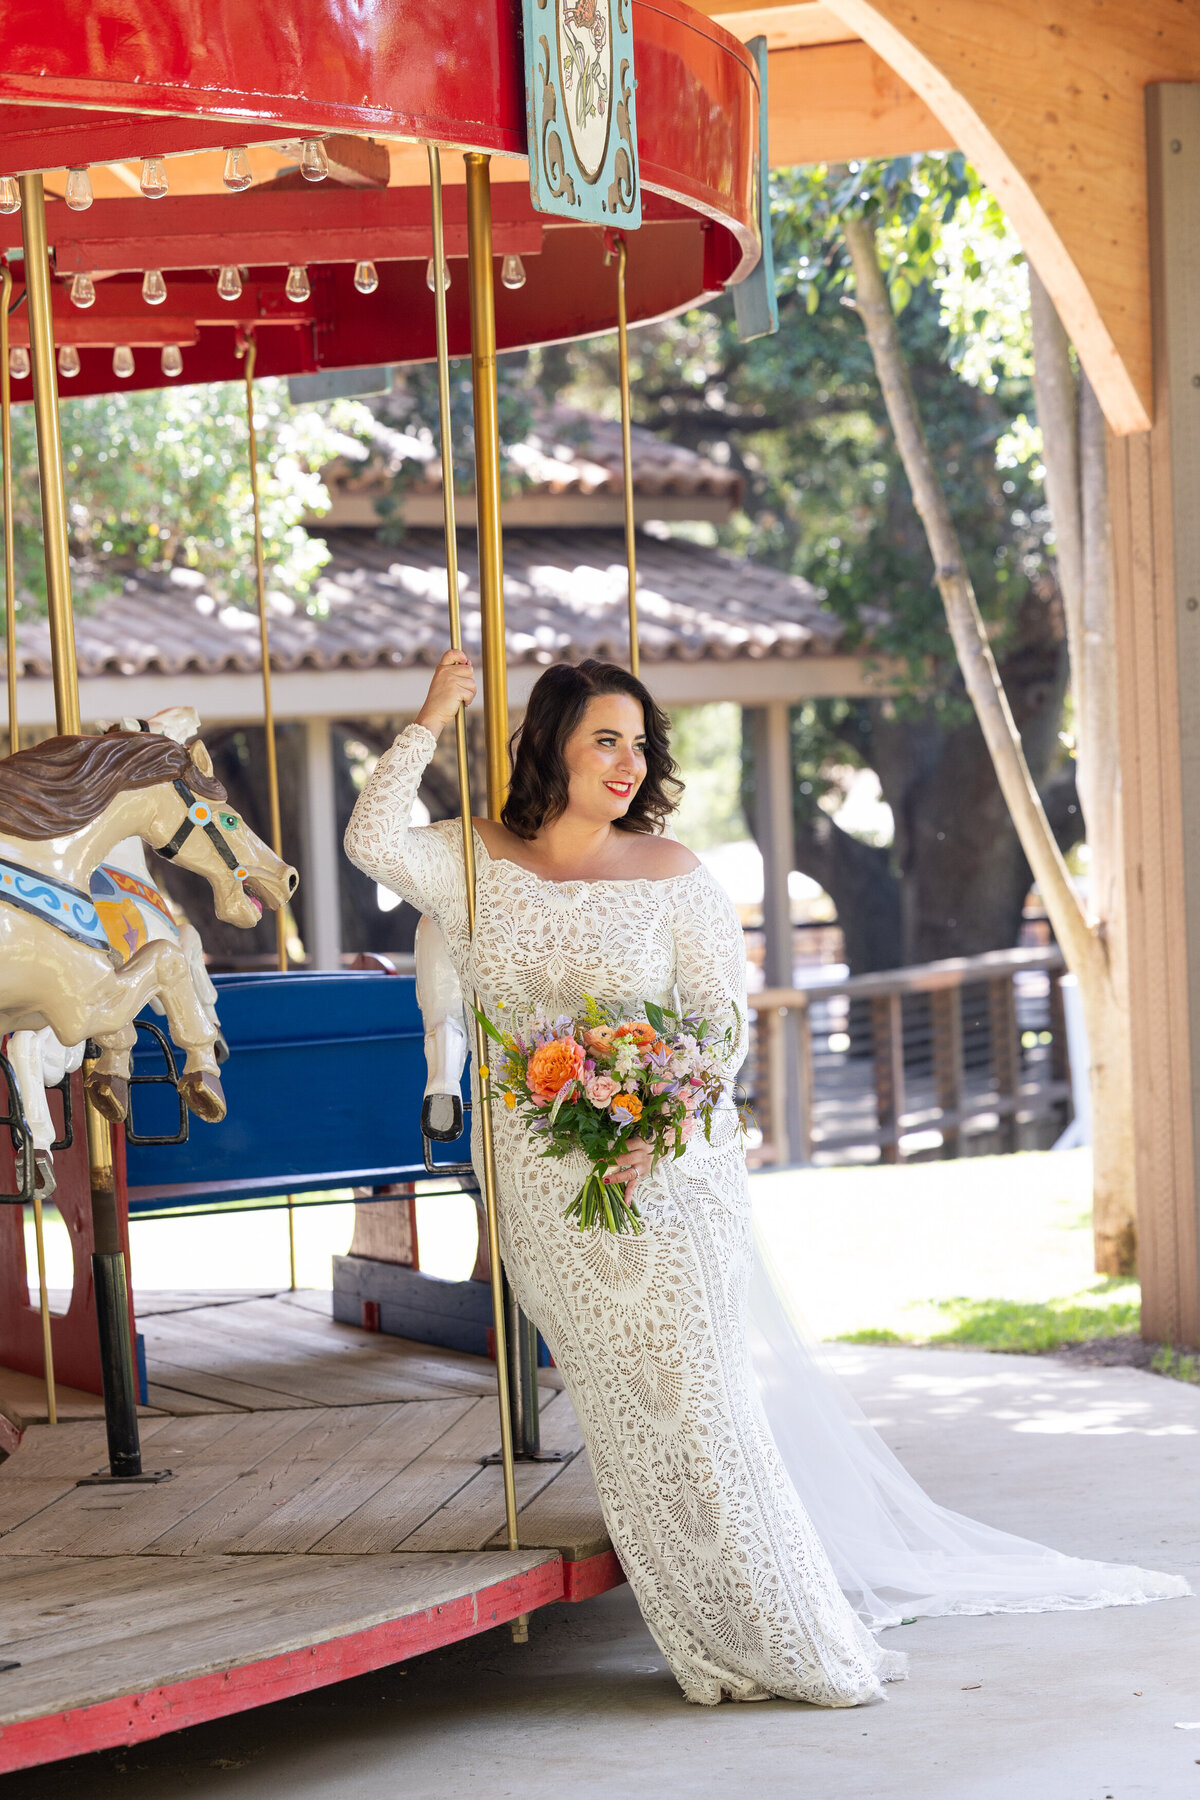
{"points": [[498, 697], [109, 1272]]}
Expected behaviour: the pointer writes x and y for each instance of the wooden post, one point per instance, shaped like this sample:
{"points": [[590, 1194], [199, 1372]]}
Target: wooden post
{"points": [[1154, 478], [887, 1030], [776, 839], [1006, 1056], [322, 850], [945, 1010]]}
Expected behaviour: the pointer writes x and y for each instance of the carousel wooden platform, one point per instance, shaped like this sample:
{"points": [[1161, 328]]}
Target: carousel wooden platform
{"points": [[328, 1511]]}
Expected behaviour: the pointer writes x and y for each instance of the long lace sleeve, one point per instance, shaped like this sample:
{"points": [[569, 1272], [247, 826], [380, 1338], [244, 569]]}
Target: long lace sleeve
{"points": [[422, 863], [710, 960]]}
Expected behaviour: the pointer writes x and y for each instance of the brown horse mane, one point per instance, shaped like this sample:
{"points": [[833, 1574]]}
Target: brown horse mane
{"points": [[55, 788]]}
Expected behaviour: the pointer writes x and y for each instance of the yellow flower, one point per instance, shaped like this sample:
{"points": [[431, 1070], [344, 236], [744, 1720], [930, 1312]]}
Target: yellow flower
{"points": [[510, 1100]]}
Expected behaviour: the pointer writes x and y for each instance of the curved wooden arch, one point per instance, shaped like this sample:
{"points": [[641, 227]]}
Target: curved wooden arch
{"points": [[1049, 104]]}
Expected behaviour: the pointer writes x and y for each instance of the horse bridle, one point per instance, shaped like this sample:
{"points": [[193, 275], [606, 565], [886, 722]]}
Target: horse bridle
{"points": [[200, 818]]}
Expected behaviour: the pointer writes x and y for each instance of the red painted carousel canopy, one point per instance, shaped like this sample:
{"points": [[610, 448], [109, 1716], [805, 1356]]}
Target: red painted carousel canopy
{"points": [[106, 84]]}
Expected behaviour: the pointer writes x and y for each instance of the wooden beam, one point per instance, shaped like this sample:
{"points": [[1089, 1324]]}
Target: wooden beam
{"points": [[1049, 105], [832, 102]]}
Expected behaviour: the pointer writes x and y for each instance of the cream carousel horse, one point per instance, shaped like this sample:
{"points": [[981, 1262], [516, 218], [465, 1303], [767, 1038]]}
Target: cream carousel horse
{"points": [[64, 805], [133, 911]]}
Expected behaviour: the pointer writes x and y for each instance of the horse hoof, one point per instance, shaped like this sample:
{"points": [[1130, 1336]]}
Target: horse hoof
{"points": [[203, 1093], [44, 1179], [109, 1094]]}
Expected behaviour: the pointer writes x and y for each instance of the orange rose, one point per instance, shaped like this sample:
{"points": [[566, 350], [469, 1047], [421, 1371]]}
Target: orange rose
{"points": [[628, 1103], [551, 1066], [637, 1030]]}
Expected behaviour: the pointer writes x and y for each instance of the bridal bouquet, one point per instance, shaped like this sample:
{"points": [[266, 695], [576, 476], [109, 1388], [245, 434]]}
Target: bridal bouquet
{"points": [[594, 1082]]}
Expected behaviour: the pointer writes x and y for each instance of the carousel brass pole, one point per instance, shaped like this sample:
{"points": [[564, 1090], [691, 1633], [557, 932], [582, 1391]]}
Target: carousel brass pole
{"points": [[487, 476], [468, 835], [14, 744], [109, 1273], [50, 466], [627, 456], [10, 560], [264, 641]]}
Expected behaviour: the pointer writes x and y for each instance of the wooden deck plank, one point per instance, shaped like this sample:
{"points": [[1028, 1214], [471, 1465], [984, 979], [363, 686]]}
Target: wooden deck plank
{"points": [[566, 1515], [341, 1490], [150, 1302], [220, 1525], [205, 1384], [207, 1455], [467, 1519], [318, 1366], [47, 1451], [124, 1636], [175, 1401], [396, 1510]]}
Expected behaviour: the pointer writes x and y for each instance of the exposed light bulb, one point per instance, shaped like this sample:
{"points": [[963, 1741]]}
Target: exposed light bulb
{"points": [[83, 291], [236, 173], [79, 194], [314, 164], [172, 360], [68, 361], [154, 288], [123, 361], [10, 194], [229, 282], [366, 277], [18, 362], [431, 279], [153, 182], [512, 272], [296, 287]]}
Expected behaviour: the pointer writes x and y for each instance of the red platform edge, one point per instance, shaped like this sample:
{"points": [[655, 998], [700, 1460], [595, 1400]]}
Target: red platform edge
{"points": [[135, 1718]]}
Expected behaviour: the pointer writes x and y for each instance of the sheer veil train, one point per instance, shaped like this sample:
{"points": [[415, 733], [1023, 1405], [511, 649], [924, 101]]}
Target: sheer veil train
{"points": [[895, 1552]]}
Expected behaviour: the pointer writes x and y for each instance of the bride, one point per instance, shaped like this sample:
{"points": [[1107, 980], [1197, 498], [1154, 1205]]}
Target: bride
{"points": [[765, 1529]]}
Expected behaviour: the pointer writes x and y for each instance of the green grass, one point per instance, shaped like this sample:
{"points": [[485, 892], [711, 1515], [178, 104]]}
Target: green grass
{"points": [[1110, 1309], [1180, 1365]]}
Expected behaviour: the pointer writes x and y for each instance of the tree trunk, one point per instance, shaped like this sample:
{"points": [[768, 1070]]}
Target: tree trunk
{"points": [[1082, 947], [1075, 456]]}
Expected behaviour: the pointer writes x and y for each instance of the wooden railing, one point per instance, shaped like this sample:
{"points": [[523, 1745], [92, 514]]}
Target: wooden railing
{"points": [[948, 1058]]}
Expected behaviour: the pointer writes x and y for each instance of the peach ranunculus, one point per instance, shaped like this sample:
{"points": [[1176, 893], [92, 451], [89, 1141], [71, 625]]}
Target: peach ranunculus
{"points": [[637, 1030], [599, 1039], [551, 1066], [627, 1103], [600, 1089]]}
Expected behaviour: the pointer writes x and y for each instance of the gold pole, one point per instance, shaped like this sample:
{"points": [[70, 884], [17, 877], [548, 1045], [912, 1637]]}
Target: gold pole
{"points": [[10, 569], [264, 641], [50, 465], [487, 477], [44, 1306], [468, 834], [627, 456], [260, 588]]}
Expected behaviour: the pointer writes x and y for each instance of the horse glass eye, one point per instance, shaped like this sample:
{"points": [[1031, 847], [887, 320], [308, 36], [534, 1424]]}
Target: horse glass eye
{"points": [[228, 821]]}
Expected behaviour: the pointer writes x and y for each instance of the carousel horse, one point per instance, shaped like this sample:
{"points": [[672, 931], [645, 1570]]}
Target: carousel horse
{"points": [[64, 806], [133, 911]]}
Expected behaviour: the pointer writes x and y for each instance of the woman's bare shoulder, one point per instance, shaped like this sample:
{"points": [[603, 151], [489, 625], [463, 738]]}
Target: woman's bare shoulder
{"points": [[660, 858]]}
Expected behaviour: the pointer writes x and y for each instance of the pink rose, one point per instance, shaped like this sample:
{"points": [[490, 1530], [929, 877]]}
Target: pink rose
{"points": [[600, 1090], [687, 1128], [691, 1097]]}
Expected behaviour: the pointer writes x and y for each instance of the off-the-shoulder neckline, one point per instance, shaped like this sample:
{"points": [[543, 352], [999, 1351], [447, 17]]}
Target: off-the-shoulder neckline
{"points": [[582, 880]]}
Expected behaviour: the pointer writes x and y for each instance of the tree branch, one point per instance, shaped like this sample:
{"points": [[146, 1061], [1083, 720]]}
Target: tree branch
{"points": [[966, 624]]}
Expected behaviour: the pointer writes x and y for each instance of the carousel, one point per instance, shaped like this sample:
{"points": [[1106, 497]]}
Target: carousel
{"points": [[291, 191]]}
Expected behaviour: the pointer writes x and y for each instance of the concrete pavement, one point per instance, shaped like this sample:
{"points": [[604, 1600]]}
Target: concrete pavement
{"points": [[1070, 1706]]}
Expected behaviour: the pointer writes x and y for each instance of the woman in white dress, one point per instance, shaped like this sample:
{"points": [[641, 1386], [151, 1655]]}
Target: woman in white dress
{"points": [[579, 894]]}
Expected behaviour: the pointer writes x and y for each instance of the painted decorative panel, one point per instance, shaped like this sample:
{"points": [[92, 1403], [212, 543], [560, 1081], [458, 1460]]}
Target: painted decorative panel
{"points": [[579, 85]]}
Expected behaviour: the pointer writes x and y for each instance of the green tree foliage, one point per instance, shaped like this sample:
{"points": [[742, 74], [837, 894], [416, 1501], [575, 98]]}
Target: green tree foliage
{"points": [[161, 478]]}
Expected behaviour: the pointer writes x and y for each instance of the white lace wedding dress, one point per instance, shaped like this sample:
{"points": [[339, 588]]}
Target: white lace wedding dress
{"points": [[649, 1332]]}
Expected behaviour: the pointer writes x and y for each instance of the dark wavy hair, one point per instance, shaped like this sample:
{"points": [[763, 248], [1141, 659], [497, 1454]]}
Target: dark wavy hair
{"points": [[537, 794]]}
